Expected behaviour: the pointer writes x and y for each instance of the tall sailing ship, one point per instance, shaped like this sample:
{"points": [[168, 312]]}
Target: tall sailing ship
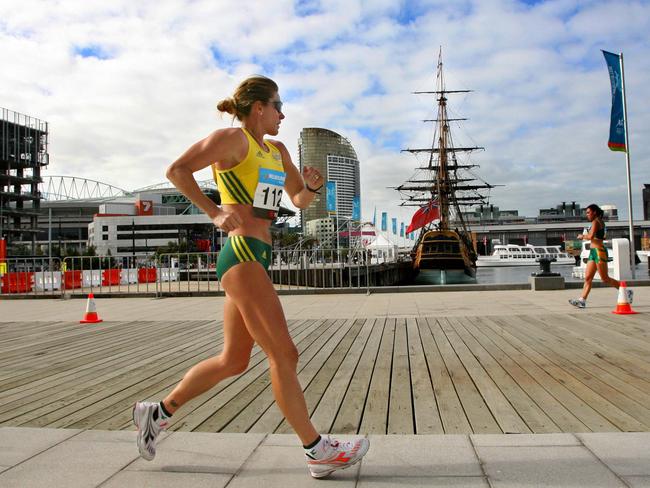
{"points": [[445, 250]]}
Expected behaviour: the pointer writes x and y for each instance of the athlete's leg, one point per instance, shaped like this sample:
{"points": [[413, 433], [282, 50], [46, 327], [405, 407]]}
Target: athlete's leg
{"points": [[251, 290], [604, 275], [590, 272], [233, 360]]}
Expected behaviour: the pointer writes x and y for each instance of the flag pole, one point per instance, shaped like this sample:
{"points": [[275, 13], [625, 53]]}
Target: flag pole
{"points": [[629, 180]]}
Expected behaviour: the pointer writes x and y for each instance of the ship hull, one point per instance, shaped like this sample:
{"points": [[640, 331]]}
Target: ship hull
{"points": [[444, 277], [443, 257]]}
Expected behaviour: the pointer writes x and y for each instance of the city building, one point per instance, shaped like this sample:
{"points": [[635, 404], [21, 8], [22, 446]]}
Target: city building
{"points": [[610, 212], [561, 213], [485, 214], [23, 153], [324, 230], [77, 213], [334, 156]]}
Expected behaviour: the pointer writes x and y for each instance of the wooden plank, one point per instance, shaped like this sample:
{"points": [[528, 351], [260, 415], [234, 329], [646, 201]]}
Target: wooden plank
{"points": [[594, 381], [452, 415], [76, 393], [604, 350], [525, 373], [478, 413], [246, 409], [84, 411], [534, 416], [325, 412], [270, 420], [92, 373], [348, 418], [635, 387], [636, 352], [553, 372], [564, 387], [506, 417], [81, 414], [118, 415], [425, 406], [316, 388], [375, 413], [94, 336], [86, 349], [221, 406], [400, 408]]}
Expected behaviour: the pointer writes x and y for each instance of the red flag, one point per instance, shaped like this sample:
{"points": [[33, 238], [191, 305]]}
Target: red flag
{"points": [[423, 216]]}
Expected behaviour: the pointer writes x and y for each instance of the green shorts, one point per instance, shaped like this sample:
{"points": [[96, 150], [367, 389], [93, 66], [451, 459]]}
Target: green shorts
{"points": [[598, 254], [239, 249]]}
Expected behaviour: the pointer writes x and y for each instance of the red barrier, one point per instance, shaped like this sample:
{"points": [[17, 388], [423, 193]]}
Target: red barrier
{"points": [[21, 282], [146, 275], [110, 277], [72, 279]]}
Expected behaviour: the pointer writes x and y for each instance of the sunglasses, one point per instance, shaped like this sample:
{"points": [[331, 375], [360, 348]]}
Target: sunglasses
{"points": [[277, 104]]}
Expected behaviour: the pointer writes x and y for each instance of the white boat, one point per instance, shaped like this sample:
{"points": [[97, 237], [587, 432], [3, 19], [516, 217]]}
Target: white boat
{"points": [[643, 256], [528, 255]]}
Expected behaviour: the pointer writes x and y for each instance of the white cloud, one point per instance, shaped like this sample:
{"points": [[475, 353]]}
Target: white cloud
{"points": [[541, 106]]}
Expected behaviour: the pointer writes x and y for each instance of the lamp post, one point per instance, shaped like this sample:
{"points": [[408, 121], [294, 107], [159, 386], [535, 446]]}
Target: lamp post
{"points": [[133, 240]]}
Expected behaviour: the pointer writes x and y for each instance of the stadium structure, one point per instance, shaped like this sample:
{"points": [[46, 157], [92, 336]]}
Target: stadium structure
{"points": [[75, 213]]}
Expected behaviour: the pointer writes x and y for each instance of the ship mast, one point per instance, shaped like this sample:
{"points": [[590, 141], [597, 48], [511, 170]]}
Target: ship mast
{"points": [[441, 181], [443, 131]]}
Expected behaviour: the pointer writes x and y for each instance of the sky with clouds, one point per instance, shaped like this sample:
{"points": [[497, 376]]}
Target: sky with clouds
{"points": [[127, 86]]}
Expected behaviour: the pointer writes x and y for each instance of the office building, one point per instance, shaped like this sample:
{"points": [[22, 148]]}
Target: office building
{"points": [[334, 156]]}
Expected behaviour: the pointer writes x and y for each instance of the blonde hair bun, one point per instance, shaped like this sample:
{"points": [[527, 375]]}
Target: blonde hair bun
{"points": [[227, 105]]}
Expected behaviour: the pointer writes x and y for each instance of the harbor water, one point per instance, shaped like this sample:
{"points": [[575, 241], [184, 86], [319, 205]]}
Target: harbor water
{"points": [[504, 274]]}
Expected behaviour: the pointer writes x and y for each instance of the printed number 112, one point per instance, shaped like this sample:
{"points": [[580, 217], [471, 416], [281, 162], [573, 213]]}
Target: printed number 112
{"points": [[276, 195]]}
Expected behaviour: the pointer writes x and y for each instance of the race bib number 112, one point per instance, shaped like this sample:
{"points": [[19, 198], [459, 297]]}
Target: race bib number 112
{"points": [[270, 187]]}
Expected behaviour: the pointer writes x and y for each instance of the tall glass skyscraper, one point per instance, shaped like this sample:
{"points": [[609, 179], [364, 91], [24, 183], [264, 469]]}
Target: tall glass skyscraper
{"points": [[334, 156]]}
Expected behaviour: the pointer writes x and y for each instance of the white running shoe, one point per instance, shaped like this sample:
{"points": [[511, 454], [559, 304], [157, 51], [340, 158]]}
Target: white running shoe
{"points": [[629, 295], [578, 302], [333, 455], [150, 421]]}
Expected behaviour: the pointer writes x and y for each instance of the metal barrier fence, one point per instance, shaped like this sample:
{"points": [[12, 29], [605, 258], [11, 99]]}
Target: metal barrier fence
{"points": [[188, 272], [33, 275], [320, 268], [110, 274]]}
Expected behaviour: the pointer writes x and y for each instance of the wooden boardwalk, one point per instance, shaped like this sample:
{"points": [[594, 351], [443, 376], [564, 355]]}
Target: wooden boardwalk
{"points": [[574, 372]]}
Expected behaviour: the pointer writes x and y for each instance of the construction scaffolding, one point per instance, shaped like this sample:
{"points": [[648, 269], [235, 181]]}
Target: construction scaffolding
{"points": [[23, 152]]}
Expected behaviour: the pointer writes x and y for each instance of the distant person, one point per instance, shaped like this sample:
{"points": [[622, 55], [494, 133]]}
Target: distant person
{"points": [[251, 174], [598, 257]]}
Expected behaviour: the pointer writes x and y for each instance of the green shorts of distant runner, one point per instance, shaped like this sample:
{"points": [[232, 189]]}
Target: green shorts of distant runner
{"points": [[598, 254], [240, 249]]}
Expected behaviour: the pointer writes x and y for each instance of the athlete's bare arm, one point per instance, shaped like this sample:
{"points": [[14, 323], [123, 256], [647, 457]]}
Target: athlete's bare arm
{"points": [[226, 147]]}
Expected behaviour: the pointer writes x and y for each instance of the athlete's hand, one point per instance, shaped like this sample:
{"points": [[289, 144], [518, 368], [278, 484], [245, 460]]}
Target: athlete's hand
{"points": [[312, 177], [228, 221]]}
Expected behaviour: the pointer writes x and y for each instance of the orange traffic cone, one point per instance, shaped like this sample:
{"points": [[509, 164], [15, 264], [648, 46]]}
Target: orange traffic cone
{"points": [[623, 306], [91, 316]]}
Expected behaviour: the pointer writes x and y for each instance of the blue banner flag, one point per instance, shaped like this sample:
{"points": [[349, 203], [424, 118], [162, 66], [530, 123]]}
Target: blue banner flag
{"points": [[401, 229], [617, 123], [356, 208], [331, 196], [394, 226], [384, 223], [374, 218]]}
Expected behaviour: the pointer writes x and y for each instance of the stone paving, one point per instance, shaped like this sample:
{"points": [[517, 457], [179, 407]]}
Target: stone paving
{"points": [[76, 458]]}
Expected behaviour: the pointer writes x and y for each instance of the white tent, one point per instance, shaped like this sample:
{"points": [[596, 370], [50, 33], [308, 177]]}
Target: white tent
{"points": [[382, 250]]}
